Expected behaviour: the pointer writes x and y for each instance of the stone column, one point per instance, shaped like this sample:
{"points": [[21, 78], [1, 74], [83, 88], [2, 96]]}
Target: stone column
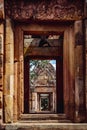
{"points": [[1, 69], [71, 80], [9, 73], [85, 32], [79, 74], [1, 55], [19, 73], [86, 63], [68, 67]]}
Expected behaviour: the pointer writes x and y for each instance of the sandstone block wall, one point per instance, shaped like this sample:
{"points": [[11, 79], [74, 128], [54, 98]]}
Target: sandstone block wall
{"points": [[8, 74], [1, 54], [1, 68]]}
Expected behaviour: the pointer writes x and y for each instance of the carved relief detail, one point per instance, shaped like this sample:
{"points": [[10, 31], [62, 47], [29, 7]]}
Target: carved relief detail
{"points": [[44, 10]]}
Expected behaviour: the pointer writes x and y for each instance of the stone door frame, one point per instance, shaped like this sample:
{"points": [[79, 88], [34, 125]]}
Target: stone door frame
{"points": [[68, 64], [59, 103]]}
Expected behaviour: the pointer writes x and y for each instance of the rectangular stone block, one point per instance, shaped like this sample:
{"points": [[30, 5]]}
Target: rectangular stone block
{"points": [[47, 126], [1, 83], [8, 105], [1, 61], [0, 99], [1, 43]]}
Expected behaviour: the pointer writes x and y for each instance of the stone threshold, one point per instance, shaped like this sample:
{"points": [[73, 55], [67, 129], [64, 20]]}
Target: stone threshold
{"points": [[46, 126], [43, 118]]}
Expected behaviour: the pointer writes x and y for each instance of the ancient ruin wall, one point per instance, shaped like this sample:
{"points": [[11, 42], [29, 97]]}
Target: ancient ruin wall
{"points": [[44, 10]]}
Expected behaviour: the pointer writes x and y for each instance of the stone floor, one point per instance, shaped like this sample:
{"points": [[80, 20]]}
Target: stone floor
{"points": [[46, 126], [41, 124]]}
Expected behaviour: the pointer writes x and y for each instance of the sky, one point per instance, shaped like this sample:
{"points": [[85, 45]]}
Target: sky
{"points": [[53, 62]]}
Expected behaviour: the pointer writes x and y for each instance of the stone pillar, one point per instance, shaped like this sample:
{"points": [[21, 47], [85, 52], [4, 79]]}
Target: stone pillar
{"points": [[9, 73], [65, 68], [79, 74], [85, 35], [68, 67], [19, 73], [71, 80], [1, 55], [1, 69], [86, 63]]}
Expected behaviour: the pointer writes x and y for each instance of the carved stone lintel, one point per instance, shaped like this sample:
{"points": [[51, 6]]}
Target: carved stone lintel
{"points": [[44, 10]]}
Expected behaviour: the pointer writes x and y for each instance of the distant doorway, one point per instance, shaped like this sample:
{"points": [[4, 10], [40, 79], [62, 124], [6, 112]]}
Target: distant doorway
{"points": [[44, 103], [42, 90]]}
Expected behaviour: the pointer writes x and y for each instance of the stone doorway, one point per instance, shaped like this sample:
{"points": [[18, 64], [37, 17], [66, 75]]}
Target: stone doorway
{"points": [[42, 86], [44, 102], [23, 17], [62, 53]]}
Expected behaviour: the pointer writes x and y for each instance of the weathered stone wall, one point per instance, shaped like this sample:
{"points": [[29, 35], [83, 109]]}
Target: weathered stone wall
{"points": [[44, 10], [8, 72], [49, 11], [1, 53], [85, 36], [85, 30], [86, 60], [1, 67], [79, 73]]}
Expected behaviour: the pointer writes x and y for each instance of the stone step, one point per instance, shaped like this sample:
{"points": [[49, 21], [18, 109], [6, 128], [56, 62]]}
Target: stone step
{"points": [[46, 126], [45, 121], [43, 117]]}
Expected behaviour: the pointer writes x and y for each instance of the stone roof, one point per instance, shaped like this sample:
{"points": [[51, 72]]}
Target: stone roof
{"points": [[46, 76]]}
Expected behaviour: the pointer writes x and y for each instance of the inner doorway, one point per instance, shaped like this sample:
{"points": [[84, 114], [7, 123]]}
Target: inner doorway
{"points": [[44, 103], [42, 87], [45, 93]]}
